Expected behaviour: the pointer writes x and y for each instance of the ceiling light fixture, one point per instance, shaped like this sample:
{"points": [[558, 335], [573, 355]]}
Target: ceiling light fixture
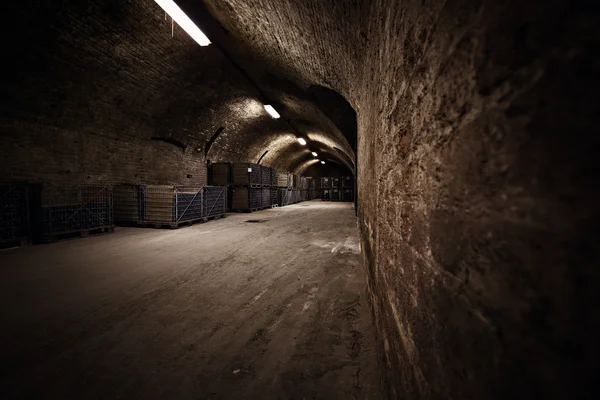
{"points": [[272, 111], [301, 141], [322, 162], [184, 21], [314, 154]]}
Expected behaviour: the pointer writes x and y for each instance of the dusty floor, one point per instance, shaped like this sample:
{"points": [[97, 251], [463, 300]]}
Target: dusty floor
{"points": [[225, 310]]}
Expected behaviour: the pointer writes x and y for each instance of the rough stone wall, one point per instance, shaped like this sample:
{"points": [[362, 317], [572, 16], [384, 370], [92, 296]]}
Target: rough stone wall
{"points": [[476, 197], [477, 201]]}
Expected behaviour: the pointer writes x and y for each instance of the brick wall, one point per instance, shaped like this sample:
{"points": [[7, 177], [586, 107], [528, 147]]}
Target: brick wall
{"points": [[32, 152]]}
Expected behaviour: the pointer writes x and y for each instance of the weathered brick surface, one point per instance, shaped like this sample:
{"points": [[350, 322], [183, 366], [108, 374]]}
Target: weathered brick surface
{"points": [[476, 121], [90, 83]]}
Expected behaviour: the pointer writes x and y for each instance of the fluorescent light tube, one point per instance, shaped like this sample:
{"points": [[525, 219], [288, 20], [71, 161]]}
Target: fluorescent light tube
{"points": [[314, 153], [272, 111], [322, 162], [301, 141], [183, 21]]}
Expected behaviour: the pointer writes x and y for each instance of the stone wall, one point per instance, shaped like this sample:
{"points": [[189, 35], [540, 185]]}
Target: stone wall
{"points": [[476, 207]]}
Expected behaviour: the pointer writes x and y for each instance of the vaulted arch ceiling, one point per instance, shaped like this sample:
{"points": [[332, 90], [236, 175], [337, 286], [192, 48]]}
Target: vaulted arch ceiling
{"points": [[121, 67]]}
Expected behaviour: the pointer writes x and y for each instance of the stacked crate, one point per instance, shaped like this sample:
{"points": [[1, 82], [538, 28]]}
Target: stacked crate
{"points": [[266, 186], [304, 188], [348, 182], [220, 174], [14, 214], [266, 197], [336, 194], [347, 194], [265, 176], [128, 207], [247, 175], [326, 182], [315, 191], [284, 196], [247, 192], [283, 180], [246, 198], [336, 182], [274, 197], [171, 205]]}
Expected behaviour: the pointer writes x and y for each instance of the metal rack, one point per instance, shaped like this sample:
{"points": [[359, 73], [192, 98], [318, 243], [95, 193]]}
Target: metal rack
{"points": [[214, 201], [14, 214], [79, 209]]}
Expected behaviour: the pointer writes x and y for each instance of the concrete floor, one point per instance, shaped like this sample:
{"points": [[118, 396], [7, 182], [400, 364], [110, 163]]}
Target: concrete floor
{"points": [[225, 310]]}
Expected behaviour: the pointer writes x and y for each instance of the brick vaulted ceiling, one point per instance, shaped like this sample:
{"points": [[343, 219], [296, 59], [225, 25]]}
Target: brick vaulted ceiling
{"points": [[120, 67]]}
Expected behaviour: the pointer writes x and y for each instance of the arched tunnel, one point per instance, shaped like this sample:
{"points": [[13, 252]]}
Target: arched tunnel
{"points": [[462, 265]]}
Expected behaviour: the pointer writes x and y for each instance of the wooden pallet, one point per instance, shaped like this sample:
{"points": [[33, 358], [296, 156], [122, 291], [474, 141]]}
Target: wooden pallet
{"points": [[132, 224], [175, 225], [214, 217], [79, 233]]}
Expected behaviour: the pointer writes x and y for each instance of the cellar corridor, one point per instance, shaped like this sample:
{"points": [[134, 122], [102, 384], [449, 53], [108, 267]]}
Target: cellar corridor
{"points": [[232, 309], [410, 193]]}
